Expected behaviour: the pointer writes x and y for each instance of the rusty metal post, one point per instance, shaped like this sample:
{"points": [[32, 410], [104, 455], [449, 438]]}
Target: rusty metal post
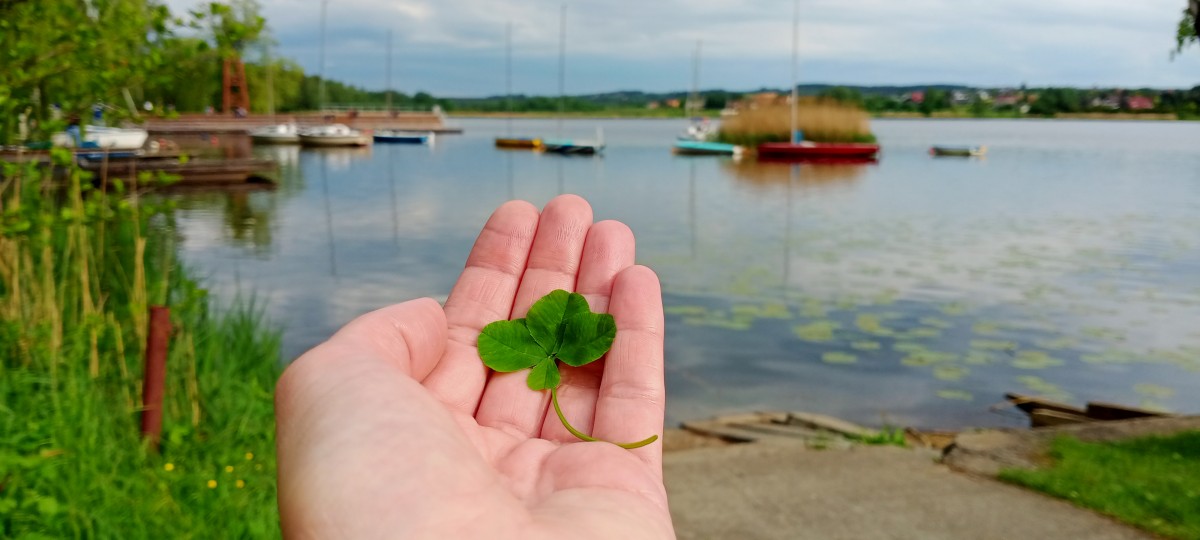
{"points": [[155, 374]]}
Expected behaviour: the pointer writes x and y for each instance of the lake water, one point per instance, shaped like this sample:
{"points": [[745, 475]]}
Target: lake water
{"points": [[916, 291]]}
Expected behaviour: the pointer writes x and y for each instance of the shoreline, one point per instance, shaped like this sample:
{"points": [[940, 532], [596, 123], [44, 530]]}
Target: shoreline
{"points": [[625, 115]]}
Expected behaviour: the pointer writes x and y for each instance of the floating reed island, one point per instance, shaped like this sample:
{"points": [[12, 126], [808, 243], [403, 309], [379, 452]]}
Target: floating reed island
{"points": [[820, 120]]}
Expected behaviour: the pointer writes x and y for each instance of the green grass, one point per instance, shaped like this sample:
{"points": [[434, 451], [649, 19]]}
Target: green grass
{"points": [[1152, 483], [77, 270]]}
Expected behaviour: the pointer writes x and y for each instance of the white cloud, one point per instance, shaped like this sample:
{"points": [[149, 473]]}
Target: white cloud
{"points": [[1080, 42]]}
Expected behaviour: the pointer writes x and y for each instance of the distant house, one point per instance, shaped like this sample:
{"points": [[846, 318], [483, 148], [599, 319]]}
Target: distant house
{"points": [[1106, 102], [1007, 99], [653, 105], [958, 97], [673, 103], [1140, 103], [918, 97]]}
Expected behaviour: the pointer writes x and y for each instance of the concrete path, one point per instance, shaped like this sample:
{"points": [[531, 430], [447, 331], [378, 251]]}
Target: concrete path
{"points": [[778, 489]]}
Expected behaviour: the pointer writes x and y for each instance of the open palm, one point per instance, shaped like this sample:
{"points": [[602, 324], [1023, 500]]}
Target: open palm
{"points": [[394, 428]]}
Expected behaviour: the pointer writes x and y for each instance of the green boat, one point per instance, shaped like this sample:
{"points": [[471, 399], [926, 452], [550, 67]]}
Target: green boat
{"points": [[705, 148], [958, 151]]}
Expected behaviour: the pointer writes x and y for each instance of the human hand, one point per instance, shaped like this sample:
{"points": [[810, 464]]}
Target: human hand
{"points": [[395, 428]]}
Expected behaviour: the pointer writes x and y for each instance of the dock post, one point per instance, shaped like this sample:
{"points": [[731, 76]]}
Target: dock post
{"points": [[155, 374]]}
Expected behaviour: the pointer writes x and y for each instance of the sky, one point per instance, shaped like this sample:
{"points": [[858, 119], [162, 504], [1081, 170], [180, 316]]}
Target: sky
{"points": [[456, 48]]}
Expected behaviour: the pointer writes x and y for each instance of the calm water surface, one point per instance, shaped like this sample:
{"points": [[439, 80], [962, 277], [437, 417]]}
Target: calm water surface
{"points": [[915, 291]]}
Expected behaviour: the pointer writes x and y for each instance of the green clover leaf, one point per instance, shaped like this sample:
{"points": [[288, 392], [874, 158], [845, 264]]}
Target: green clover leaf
{"points": [[559, 326], [507, 346]]}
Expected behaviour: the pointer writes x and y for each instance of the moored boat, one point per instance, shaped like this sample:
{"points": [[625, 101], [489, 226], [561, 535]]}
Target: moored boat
{"points": [[403, 137], [276, 134], [334, 135], [958, 151], [524, 143], [705, 148], [812, 151], [564, 146], [102, 137]]}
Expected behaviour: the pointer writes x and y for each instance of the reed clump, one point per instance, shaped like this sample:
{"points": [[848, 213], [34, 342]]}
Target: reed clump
{"points": [[78, 268], [820, 120]]}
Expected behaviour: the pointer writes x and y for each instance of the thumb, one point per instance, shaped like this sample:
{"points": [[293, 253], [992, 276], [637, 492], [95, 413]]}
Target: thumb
{"points": [[411, 335]]}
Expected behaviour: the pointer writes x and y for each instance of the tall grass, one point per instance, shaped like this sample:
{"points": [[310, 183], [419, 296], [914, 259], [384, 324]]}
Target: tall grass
{"points": [[78, 270], [821, 120]]}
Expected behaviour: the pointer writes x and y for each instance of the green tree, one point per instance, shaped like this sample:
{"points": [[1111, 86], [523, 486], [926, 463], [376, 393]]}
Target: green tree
{"points": [[1189, 26]]}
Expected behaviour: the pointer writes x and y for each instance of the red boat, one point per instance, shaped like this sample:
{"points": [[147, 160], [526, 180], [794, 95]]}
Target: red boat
{"points": [[811, 151]]}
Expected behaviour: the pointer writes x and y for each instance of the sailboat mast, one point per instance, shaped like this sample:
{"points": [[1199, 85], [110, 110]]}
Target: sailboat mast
{"points": [[508, 75], [795, 67], [562, 66], [694, 100], [270, 83], [389, 72], [321, 82]]}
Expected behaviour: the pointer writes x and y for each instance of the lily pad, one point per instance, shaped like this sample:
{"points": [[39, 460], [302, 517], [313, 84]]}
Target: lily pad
{"points": [[866, 345], [958, 395], [1031, 359], [820, 331], [837, 357]]}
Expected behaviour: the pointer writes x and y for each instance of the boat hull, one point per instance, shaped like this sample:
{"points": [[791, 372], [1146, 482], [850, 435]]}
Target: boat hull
{"points": [[958, 151], [275, 138], [105, 138], [401, 139], [519, 143], [700, 148], [828, 152], [334, 140]]}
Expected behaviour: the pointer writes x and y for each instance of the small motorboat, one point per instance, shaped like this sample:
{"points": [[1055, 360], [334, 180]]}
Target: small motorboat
{"points": [[101, 137], [564, 146], [523, 143], [704, 148], [814, 151], [334, 135], [276, 134], [958, 151], [403, 137]]}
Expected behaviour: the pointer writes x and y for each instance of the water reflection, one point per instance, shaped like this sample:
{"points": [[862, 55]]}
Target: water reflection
{"points": [[765, 174]]}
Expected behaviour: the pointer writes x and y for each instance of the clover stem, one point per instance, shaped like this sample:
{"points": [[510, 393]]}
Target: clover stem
{"points": [[585, 437]]}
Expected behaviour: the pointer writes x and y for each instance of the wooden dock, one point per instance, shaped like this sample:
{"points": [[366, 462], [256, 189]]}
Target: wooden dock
{"points": [[199, 172], [255, 173]]}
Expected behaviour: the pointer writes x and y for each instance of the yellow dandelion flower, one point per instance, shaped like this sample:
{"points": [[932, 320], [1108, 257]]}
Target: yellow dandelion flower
{"points": [[212, 484], [249, 456], [169, 467], [241, 483], [229, 468]]}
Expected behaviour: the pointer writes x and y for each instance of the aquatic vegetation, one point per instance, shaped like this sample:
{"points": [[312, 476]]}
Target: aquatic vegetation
{"points": [[837, 357], [978, 358], [813, 309], [954, 308], [819, 331], [1109, 334], [950, 372], [922, 332], [866, 345], [993, 345], [936, 322], [1032, 359], [909, 347], [927, 358], [1057, 344], [821, 120], [986, 328], [870, 324], [1043, 388], [686, 310], [1154, 391], [957, 395]]}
